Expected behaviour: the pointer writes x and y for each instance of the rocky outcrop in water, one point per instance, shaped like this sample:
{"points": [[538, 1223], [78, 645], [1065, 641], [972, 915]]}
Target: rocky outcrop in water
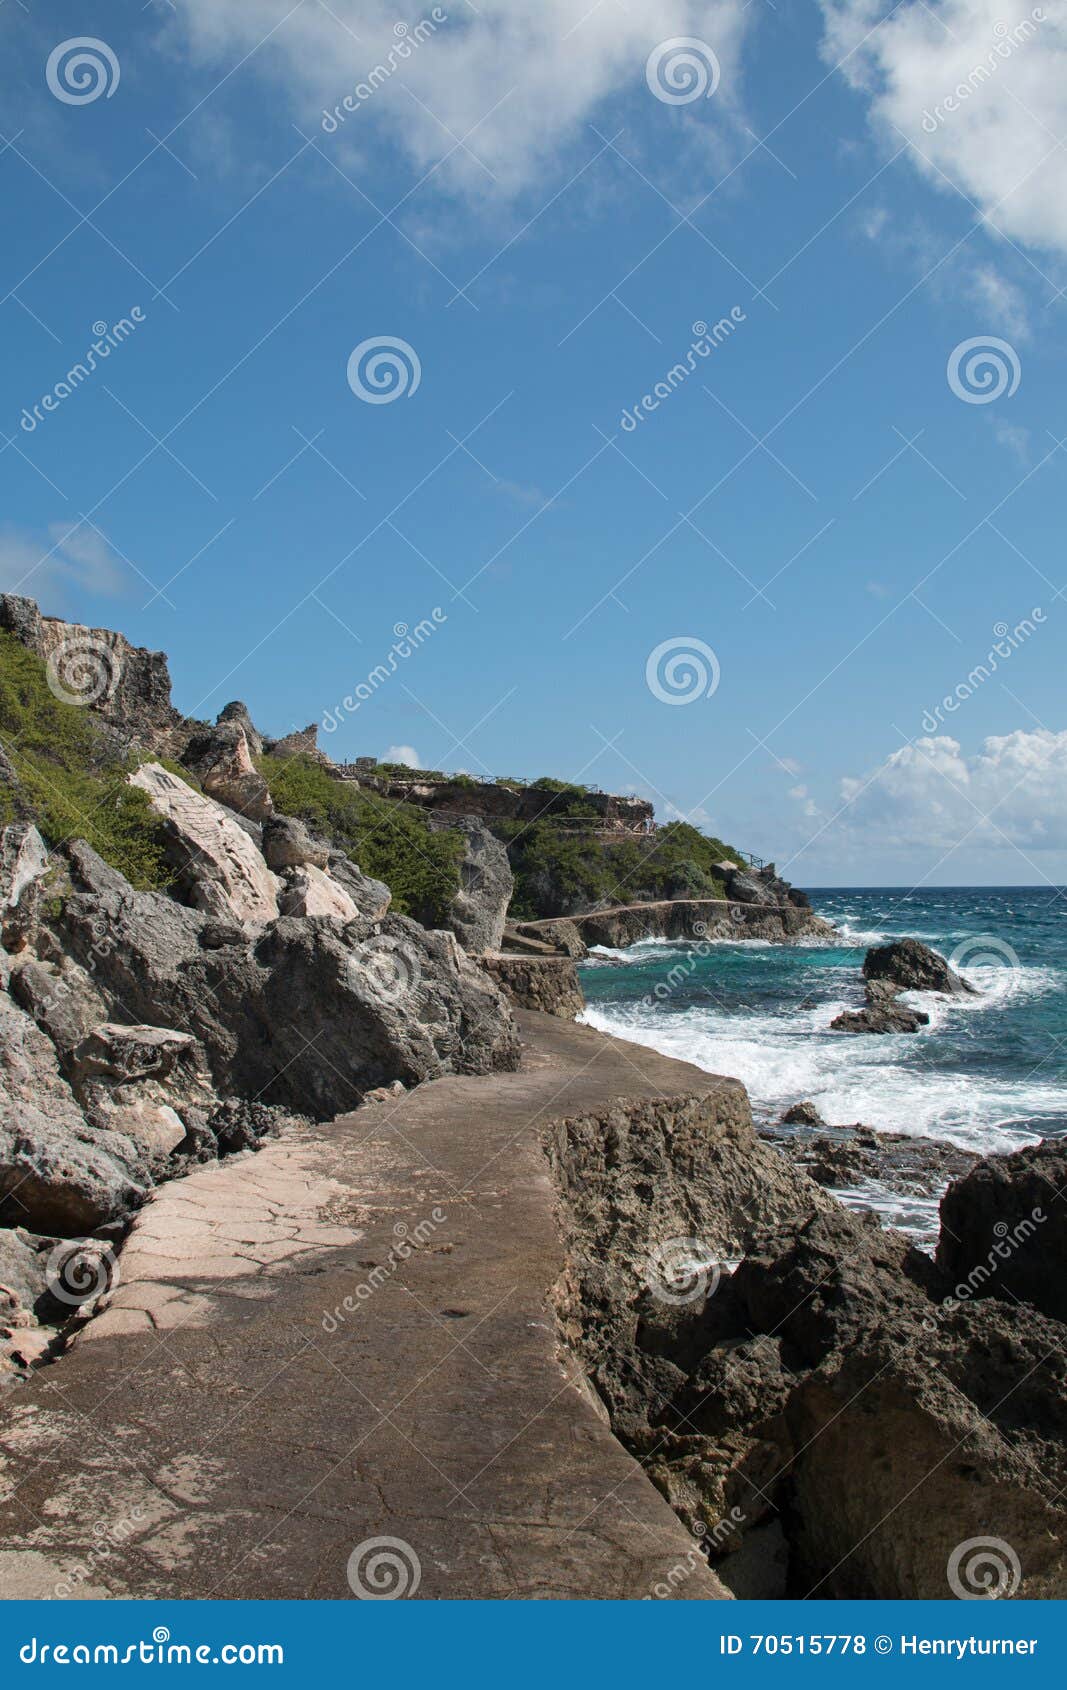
{"points": [[696, 919], [888, 970]]}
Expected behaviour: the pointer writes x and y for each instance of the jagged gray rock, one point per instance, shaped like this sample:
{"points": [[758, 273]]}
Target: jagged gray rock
{"points": [[57, 1173], [288, 844], [221, 759], [910, 966], [23, 865], [305, 1013], [125, 685], [1004, 1229], [478, 911]]}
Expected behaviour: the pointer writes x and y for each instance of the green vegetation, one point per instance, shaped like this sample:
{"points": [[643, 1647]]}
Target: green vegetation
{"points": [[558, 871], [70, 780], [388, 839]]}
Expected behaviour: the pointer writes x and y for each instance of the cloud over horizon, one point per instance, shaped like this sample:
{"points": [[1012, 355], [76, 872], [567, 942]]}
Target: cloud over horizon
{"points": [[1009, 795]]}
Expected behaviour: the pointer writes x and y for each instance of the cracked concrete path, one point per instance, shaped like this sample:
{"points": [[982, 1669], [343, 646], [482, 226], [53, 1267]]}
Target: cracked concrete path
{"points": [[342, 1338]]}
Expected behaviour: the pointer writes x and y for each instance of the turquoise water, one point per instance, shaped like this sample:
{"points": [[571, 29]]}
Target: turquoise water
{"points": [[989, 1073]]}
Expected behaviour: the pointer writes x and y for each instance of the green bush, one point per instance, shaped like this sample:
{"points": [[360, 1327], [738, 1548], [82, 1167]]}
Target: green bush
{"points": [[388, 839], [559, 871], [71, 782]]}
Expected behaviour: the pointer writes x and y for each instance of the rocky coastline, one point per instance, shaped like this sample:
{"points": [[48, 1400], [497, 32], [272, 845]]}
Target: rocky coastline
{"points": [[226, 1095]]}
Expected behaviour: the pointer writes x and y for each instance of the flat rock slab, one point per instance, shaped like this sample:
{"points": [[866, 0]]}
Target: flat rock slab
{"points": [[344, 1338]]}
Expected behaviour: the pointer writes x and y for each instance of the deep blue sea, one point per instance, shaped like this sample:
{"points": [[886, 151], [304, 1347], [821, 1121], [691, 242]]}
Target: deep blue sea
{"points": [[989, 1073]]}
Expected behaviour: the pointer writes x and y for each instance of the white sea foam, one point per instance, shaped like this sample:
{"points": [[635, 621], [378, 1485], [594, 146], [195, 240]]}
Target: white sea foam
{"points": [[849, 1077]]}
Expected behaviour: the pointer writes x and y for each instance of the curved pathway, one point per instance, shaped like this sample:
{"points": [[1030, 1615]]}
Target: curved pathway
{"points": [[341, 1338]]}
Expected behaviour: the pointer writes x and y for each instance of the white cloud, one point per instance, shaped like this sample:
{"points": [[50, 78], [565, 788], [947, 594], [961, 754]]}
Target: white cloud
{"points": [[46, 570], [405, 754], [544, 65], [1013, 437], [931, 794], [1004, 72], [1003, 303]]}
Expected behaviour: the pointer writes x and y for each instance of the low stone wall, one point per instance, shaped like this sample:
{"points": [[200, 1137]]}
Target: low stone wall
{"points": [[693, 918], [549, 984]]}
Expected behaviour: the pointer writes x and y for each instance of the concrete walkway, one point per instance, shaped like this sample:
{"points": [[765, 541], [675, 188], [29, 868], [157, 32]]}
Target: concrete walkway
{"points": [[341, 1339]]}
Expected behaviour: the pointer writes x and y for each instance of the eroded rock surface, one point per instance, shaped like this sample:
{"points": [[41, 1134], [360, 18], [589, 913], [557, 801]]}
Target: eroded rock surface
{"points": [[1004, 1229], [213, 858]]}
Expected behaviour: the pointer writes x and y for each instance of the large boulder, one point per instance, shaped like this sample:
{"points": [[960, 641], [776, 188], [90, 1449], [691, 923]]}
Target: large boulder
{"points": [[23, 865], [371, 897], [215, 862], [906, 965], [1004, 1229], [57, 1173], [307, 1013], [311, 891], [478, 911], [288, 844], [221, 759]]}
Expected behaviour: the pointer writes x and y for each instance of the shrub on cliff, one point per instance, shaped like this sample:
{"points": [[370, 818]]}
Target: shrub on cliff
{"points": [[390, 840], [70, 780], [560, 872]]}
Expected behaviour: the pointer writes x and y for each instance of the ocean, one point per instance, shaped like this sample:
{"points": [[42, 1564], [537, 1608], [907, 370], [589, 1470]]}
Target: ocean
{"points": [[989, 1073]]}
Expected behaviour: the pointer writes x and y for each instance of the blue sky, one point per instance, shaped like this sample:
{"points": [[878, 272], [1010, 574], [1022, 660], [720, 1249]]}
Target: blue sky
{"points": [[816, 502]]}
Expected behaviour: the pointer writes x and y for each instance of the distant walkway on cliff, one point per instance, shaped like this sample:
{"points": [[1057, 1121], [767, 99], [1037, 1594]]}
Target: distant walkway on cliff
{"points": [[335, 1362]]}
